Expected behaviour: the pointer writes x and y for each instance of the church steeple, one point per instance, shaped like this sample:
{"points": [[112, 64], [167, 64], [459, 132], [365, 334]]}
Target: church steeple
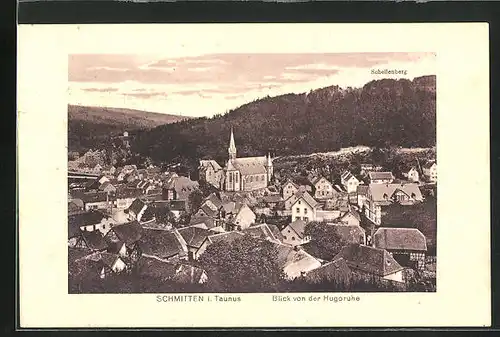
{"points": [[232, 146]]}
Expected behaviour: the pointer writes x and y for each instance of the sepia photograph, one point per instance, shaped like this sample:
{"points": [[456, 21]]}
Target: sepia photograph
{"points": [[234, 173], [195, 168]]}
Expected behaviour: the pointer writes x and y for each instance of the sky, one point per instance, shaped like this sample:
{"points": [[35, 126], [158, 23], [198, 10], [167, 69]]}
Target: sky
{"points": [[210, 84]]}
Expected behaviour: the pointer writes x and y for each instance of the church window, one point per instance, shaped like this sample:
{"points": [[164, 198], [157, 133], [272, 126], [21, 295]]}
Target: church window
{"points": [[230, 177], [236, 177]]}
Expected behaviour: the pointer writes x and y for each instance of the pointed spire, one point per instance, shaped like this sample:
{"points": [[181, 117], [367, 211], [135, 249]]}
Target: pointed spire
{"points": [[232, 146]]}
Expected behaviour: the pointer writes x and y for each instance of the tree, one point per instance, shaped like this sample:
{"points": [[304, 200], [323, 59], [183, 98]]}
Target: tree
{"points": [[164, 215], [246, 264], [325, 240], [194, 200]]}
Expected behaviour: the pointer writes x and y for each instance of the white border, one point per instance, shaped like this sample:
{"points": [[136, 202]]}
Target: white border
{"points": [[463, 296]]}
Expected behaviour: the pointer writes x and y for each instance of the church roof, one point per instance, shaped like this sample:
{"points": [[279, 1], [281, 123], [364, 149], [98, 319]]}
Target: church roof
{"points": [[250, 165]]}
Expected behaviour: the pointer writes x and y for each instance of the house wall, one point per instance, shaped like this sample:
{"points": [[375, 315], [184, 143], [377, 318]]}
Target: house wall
{"points": [[322, 215], [294, 270], [288, 191], [361, 200], [324, 189], [245, 217], [289, 202], [398, 276], [351, 185], [303, 211], [119, 266], [290, 237]]}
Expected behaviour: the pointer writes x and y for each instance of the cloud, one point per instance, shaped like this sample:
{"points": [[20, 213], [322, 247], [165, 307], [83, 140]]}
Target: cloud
{"points": [[100, 89], [209, 84]]}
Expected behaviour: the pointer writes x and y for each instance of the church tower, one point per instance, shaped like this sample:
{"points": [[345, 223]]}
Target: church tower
{"points": [[232, 147]]}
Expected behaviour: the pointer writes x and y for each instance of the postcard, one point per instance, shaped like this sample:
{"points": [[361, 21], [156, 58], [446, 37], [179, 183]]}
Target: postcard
{"points": [[228, 175]]}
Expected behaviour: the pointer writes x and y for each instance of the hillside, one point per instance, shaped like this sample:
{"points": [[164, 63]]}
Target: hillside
{"points": [[88, 126], [380, 114]]}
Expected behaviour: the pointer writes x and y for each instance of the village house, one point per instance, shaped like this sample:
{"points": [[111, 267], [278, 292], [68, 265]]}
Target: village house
{"points": [[336, 271], [107, 187], [381, 177], [238, 216], [295, 262], [304, 208], [362, 191], [91, 221], [407, 245], [262, 231], [371, 261], [349, 182], [294, 233], [165, 271], [349, 233], [96, 201], [411, 174], [430, 171], [111, 263], [136, 210], [126, 196], [92, 241], [380, 195], [205, 222], [323, 189], [211, 172], [194, 238], [128, 234], [367, 168], [179, 188], [217, 237], [289, 189], [166, 245], [246, 174]]}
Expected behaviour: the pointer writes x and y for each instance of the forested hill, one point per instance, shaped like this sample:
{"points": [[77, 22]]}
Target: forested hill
{"points": [[89, 127], [382, 113]]}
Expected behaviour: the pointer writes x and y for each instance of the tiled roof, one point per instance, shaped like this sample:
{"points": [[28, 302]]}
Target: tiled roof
{"points": [[250, 165], [127, 193], [161, 243], [86, 218], [136, 206], [276, 232], [399, 239], [151, 267], [261, 231], [77, 253], [94, 240], [299, 227], [214, 200], [362, 189], [94, 197], [381, 175], [206, 163], [334, 271], [377, 191], [208, 221], [369, 259], [208, 211], [187, 274], [307, 198], [106, 258], [348, 233], [129, 232], [194, 236], [429, 164], [227, 236], [274, 198], [294, 261]]}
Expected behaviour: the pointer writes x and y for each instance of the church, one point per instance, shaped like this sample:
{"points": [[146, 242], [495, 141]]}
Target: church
{"points": [[246, 174], [239, 174]]}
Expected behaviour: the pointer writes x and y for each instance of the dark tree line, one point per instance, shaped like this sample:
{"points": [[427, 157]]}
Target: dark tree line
{"points": [[383, 113]]}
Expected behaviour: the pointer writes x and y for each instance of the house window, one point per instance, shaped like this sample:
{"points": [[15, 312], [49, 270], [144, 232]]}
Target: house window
{"points": [[293, 238], [306, 219], [297, 218], [299, 202], [262, 178], [297, 210], [305, 210], [385, 196], [251, 178]]}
